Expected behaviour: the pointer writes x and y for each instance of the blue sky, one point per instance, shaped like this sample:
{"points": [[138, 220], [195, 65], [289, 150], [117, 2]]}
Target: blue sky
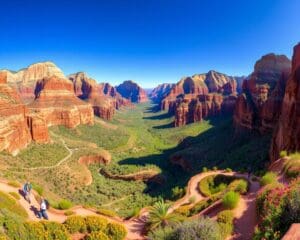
{"points": [[149, 41]]}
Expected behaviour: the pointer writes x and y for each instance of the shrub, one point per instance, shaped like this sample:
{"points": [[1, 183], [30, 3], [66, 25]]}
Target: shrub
{"points": [[291, 167], [69, 213], [204, 169], [228, 170], [14, 184], [215, 168], [268, 178], [75, 224], [15, 195], [3, 237], [12, 224], [177, 193], [95, 223], [199, 206], [192, 199], [116, 231], [134, 212], [160, 233], [283, 153], [38, 188], [230, 200], [239, 185], [97, 236], [225, 221], [106, 212], [202, 228], [9, 203], [183, 210], [64, 204]]}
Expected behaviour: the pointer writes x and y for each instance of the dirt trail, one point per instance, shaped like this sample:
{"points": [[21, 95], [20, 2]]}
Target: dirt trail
{"points": [[245, 218]]}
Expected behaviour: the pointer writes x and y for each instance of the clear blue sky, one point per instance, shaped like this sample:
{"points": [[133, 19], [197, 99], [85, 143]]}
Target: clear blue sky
{"points": [[149, 41]]}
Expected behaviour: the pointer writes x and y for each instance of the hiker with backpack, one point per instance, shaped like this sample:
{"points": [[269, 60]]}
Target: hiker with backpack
{"points": [[43, 209], [27, 191]]}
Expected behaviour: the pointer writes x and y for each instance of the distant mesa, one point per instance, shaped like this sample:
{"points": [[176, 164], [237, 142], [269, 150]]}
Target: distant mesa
{"points": [[202, 95], [132, 91], [257, 108]]}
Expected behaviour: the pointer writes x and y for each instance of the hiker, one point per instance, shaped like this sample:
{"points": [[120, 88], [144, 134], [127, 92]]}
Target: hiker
{"points": [[43, 209], [27, 190]]}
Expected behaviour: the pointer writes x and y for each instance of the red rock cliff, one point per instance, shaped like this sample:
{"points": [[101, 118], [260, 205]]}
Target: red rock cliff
{"points": [[160, 92], [24, 81], [56, 102], [132, 91], [257, 107], [287, 133]]}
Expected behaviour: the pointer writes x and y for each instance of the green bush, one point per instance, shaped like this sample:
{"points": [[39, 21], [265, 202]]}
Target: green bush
{"points": [[228, 170], [106, 212], [9, 203], [75, 224], [225, 221], [283, 153], [116, 231], [231, 200], [69, 213], [64, 204], [14, 184], [15, 195], [268, 178], [183, 210], [199, 206], [215, 168], [291, 166], [204, 169], [160, 233], [239, 185], [38, 188], [3, 237], [95, 223], [12, 224], [177, 193], [97, 236], [192, 199]]}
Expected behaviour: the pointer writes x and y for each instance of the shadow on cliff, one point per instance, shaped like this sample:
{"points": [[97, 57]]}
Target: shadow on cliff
{"points": [[218, 146]]}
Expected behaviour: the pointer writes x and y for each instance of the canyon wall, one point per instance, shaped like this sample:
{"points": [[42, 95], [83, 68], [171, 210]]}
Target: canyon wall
{"points": [[24, 81], [132, 91], [258, 107], [160, 92], [287, 133]]}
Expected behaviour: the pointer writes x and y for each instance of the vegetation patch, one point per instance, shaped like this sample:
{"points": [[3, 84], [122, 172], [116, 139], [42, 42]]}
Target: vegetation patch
{"points": [[230, 200], [291, 166], [268, 178]]}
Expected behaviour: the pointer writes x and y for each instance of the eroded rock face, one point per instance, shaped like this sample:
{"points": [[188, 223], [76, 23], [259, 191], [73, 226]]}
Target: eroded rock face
{"points": [[56, 102], [287, 133], [200, 96], [14, 132], [87, 89], [24, 81], [257, 108], [158, 93], [132, 91]]}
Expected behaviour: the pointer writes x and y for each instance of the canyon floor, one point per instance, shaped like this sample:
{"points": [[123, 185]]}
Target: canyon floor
{"points": [[137, 142]]}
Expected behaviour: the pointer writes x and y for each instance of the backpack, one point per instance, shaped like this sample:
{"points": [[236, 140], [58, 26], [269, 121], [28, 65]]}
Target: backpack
{"points": [[47, 204]]}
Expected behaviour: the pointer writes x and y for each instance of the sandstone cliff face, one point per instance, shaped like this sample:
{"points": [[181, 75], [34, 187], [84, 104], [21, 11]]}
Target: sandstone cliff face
{"points": [[287, 133], [24, 81], [257, 108], [132, 91], [56, 102], [200, 96], [158, 93], [87, 89]]}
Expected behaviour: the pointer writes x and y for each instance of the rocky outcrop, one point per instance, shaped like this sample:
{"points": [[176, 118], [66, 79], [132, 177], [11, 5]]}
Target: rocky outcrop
{"points": [[17, 126], [160, 92], [24, 81], [56, 102], [200, 96], [287, 133], [257, 107], [87, 89], [132, 91]]}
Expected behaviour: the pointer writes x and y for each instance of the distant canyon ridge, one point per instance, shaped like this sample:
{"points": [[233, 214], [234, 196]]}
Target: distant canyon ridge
{"points": [[41, 95]]}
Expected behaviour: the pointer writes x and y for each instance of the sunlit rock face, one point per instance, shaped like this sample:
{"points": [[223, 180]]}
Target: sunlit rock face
{"points": [[200, 96], [160, 92], [24, 81], [258, 107], [90, 91], [55, 101], [287, 133], [132, 91]]}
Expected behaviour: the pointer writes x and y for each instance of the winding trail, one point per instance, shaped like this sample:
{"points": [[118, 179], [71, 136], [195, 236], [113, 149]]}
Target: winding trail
{"points": [[245, 213]]}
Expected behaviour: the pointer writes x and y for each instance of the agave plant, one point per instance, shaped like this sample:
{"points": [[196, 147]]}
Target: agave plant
{"points": [[159, 216]]}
